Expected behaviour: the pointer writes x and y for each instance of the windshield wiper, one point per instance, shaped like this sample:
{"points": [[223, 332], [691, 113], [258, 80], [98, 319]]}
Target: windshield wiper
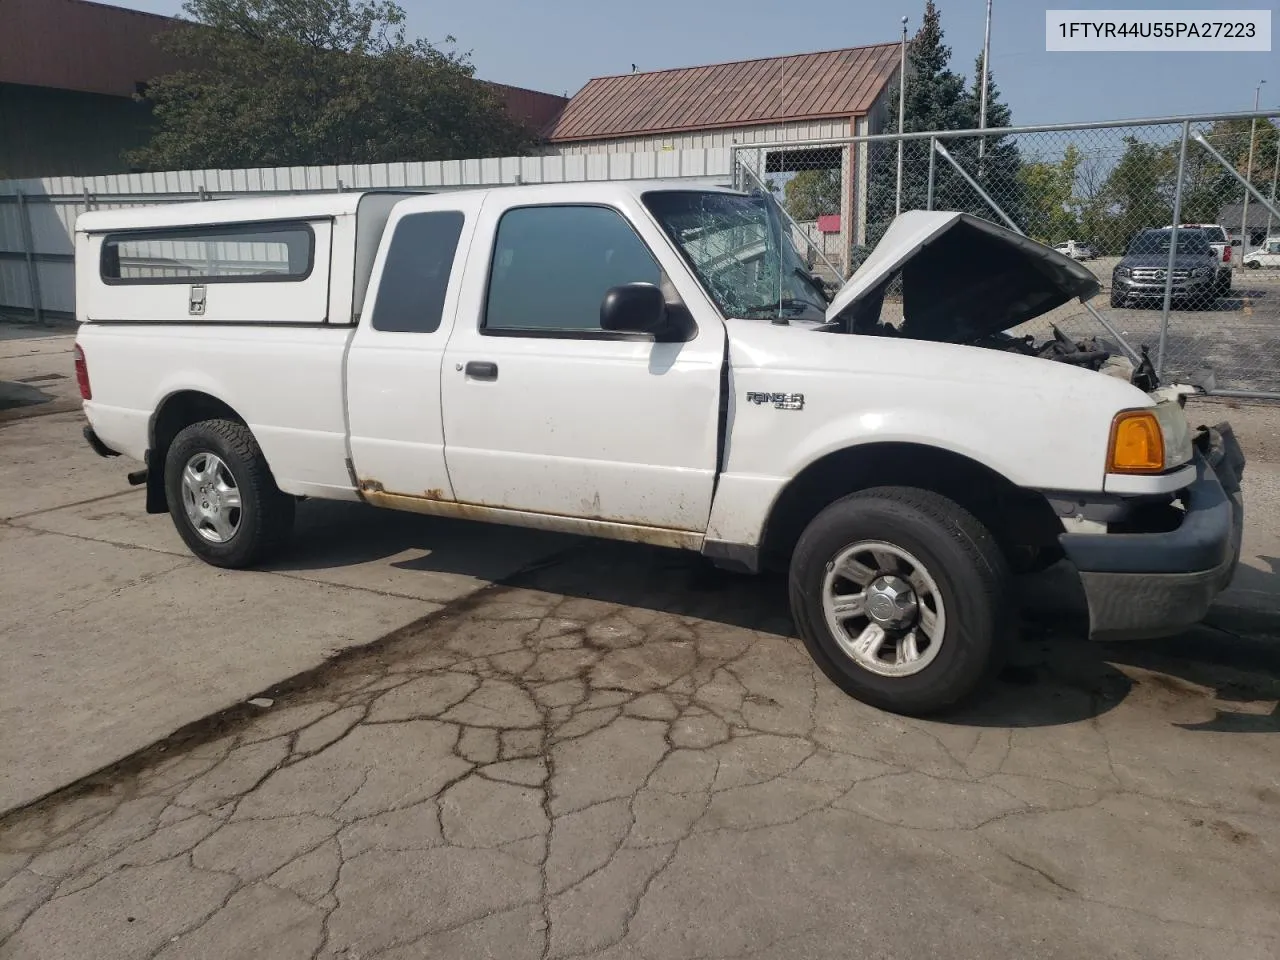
{"points": [[774, 309]]}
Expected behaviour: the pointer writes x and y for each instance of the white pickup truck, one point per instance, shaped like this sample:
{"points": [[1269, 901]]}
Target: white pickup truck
{"points": [[651, 362]]}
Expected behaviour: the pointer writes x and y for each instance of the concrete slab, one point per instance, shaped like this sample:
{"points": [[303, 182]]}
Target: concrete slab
{"points": [[37, 372], [135, 644], [344, 544], [114, 636], [718, 797], [47, 464]]}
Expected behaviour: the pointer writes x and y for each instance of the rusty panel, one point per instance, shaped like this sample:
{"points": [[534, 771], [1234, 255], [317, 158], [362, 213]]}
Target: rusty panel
{"points": [[833, 83], [371, 492]]}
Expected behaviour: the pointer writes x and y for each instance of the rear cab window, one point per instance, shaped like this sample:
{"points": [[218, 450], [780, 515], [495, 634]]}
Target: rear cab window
{"points": [[415, 276]]}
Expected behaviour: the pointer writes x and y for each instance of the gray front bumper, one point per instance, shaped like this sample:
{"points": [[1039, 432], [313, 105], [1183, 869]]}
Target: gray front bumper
{"points": [[1155, 584], [1180, 288]]}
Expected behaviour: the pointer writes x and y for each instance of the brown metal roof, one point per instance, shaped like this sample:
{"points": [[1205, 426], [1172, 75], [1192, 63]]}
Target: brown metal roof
{"points": [[807, 86], [532, 108]]}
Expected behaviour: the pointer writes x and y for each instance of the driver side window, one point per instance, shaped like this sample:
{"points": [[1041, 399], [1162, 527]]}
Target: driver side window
{"points": [[553, 265]]}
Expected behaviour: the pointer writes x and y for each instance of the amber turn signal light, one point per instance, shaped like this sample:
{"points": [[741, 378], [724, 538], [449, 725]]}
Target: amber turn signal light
{"points": [[1137, 443]]}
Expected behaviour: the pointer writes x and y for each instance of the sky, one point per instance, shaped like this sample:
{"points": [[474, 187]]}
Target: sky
{"points": [[557, 45]]}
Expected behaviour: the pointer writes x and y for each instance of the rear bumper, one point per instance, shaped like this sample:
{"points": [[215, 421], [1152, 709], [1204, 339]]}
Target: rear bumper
{"points": [[1154, 584], [100, 448]]}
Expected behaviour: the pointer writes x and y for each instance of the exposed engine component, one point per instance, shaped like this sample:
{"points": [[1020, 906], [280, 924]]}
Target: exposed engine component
{"points": [[1089, 353]]}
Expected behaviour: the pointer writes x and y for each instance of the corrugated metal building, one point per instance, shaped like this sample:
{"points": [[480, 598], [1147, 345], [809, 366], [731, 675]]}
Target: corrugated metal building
{"points": [[69, 70], [829, 95]]}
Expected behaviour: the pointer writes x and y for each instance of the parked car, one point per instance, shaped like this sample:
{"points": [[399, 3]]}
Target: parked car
{"points": [[1268, 255], [1075, 250], [650, 362], [1140, 275], [1221, 244]]}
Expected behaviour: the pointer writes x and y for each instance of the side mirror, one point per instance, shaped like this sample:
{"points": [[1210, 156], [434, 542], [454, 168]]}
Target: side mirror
{"points": [[634, 308]]}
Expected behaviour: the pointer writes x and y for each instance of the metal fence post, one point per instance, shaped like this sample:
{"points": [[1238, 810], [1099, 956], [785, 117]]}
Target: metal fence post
{"points": [[29, 254], [790, 222], [978, 190], [933, 157], [1173, 249]]}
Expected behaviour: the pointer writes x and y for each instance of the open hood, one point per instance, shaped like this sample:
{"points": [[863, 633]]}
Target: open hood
{"points": [[962, 277]]}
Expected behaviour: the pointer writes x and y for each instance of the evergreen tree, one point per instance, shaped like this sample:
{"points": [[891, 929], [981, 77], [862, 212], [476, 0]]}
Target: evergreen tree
{"points": [[937, 99], [998, 168]]}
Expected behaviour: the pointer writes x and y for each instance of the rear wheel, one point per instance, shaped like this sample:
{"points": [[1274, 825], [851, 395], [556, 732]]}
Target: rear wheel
{"points": [[222, 497], [902, 598]]}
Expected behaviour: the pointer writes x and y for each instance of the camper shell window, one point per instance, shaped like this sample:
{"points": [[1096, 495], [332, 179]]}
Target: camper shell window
{"points": [[221, 253]]}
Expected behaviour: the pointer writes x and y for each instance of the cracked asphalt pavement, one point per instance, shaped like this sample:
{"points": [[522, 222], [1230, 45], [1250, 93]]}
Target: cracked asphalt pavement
{"points": [[622, 755]]}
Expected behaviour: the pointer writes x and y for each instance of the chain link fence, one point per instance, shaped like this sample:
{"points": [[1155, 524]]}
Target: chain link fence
{"points": [[1202, 296]]}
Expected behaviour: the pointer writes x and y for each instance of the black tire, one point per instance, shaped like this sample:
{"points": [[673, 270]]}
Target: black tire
{"points": [[1117, 299], [265, 517], [1253, 265], [967, 566]]}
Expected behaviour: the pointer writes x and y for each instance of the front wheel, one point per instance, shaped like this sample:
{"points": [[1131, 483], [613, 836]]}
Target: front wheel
{"points": [[222, 496], [1117, 299], [1253, 265], [902, 598]]}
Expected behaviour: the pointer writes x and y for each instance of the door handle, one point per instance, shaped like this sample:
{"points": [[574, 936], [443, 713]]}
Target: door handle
{"points": [[482, 370]]}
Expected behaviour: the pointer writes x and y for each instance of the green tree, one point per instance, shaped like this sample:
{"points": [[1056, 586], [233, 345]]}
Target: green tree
{"points": [[937, 99], [290, 82], [812, 193], [1138, 192], [1050, 199], [999, 165], [1207, 186]]}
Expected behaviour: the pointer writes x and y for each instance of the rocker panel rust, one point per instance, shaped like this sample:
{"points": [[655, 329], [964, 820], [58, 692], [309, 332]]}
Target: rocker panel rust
{"points": [[431, 504]]}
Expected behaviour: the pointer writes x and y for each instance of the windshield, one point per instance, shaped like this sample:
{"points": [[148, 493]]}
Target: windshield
{"points": [[1157, 241], [741, 252]]}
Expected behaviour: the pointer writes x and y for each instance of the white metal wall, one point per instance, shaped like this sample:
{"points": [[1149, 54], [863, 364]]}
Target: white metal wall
{"points": [[710, 139], [50, 206]]}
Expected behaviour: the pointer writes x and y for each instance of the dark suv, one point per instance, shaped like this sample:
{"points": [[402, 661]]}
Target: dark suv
{"points": [[1141, 274]]}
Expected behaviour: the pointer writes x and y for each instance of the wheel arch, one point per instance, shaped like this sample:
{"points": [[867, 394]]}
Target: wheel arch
{"points": [[178, 410], [1018, 518]]}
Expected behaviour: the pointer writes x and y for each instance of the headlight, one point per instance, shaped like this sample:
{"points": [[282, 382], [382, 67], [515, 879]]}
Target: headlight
{"points": [[1150, 440], [1123, 272], [1200, 272]]}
